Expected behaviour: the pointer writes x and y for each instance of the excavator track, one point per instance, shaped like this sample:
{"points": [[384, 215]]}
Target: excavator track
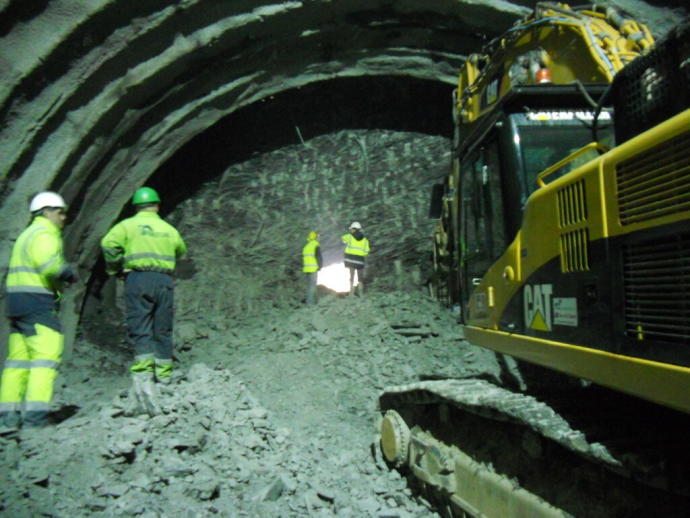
{"points": [[477, 449]]}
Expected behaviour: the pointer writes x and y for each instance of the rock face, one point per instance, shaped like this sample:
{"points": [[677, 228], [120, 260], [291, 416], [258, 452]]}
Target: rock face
{"points": [[246, 228], [98, 97]]}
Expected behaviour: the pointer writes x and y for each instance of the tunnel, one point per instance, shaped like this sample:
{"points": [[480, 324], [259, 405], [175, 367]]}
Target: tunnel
{"points": [[100, 97]]}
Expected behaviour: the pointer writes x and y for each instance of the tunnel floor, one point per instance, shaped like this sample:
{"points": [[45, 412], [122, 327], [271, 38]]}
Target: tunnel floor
{"points": [[271, 414]]}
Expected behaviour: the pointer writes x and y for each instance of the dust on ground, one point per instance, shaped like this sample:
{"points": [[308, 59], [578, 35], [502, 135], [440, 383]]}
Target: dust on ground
{"points": [[272, 414]]}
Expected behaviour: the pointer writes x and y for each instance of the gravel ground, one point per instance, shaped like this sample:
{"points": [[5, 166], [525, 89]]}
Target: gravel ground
{"points": [[271, 415]]}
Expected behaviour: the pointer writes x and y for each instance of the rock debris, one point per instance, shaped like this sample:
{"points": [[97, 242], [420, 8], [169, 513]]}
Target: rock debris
{"points": [[280, 425]]}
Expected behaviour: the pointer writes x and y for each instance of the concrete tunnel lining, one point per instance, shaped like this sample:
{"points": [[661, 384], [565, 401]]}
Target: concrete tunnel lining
{"points": [[106, 90], [99, 95]]}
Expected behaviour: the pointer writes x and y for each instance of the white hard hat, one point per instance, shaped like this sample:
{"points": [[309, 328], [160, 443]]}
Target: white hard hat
{"points": [[356, 224], [46, 199]]}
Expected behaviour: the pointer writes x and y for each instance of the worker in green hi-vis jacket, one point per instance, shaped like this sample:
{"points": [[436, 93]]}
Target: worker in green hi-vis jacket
{"points": [[144, 250]]}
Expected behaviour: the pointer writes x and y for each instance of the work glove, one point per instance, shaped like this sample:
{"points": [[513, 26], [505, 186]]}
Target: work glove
{"points": [[68, 275]]}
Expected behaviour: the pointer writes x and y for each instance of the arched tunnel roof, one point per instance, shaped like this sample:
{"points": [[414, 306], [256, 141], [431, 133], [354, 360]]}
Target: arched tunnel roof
{"points": [[98, 97]]}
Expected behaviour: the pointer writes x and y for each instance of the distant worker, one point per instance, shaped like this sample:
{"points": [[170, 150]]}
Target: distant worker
{"points": [[356, 249], [143, 249], [311, 264], [37, 273]]}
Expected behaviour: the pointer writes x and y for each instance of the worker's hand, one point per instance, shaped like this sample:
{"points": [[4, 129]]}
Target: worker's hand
{"points": [[74, 279], [118, 273], [68, 275]]}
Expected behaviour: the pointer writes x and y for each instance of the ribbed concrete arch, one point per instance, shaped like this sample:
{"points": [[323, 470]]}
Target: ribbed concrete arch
{"points": [[99, 94], [96, 95]]}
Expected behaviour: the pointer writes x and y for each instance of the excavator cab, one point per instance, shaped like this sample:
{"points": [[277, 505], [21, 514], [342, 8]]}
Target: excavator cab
{"points": [[503, 163]]}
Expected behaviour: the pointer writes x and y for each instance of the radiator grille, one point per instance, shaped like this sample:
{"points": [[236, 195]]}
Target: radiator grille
{"points": [[575, 251], [574, 245], [572, 206], [655, 183], [656, 276]]}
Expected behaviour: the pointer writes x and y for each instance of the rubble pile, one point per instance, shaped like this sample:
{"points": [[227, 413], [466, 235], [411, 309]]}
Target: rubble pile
{"points": [[354, 344], [279, 420]]}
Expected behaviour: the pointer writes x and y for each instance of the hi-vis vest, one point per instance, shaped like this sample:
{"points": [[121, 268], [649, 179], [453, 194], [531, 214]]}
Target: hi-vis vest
{"points": [[309, 261], [144, 242], [36, 260], [355, 250]]}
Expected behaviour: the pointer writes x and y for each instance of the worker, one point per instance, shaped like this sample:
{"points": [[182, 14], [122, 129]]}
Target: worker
{"points": [[356, 249], [311, 264], [143, 250], [36, 276]]}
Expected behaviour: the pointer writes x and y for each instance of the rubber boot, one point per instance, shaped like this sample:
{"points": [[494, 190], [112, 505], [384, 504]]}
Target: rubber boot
{"points": [[143, 397], [149, 396], [36, 419], [163, 374], [165, 386], [135, 404], [10, 422]]}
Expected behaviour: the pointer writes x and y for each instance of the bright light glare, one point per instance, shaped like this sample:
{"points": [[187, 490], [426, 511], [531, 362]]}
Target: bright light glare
{"points": [[335, 277]]}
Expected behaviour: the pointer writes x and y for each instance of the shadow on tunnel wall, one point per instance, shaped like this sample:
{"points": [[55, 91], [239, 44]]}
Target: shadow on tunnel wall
{"points": [[369, 102]]}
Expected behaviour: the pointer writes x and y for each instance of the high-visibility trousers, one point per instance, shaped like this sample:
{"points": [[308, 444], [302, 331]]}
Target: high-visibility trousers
{"points": [[33, 356]]}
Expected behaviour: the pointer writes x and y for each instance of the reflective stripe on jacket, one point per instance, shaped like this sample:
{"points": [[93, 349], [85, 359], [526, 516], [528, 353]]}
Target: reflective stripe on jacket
{"points": [[355, 246], [37, 260], [144, 242], [310, 257]]}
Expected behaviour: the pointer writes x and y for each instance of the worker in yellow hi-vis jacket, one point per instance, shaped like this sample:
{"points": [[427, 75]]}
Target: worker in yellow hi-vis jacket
{"points": [[37, 273], [311, 264], [356, 249], [144, 248]]}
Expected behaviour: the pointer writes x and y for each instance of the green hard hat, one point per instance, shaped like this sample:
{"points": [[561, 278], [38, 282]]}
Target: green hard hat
{"points": [[145, 195]]}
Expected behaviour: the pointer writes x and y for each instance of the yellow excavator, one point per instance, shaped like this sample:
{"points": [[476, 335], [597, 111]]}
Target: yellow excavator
{"points": [[563, 239]]}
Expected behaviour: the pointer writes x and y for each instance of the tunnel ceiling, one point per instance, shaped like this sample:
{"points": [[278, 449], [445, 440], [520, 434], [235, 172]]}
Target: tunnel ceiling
{"points": [[97, 96]]}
